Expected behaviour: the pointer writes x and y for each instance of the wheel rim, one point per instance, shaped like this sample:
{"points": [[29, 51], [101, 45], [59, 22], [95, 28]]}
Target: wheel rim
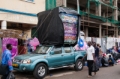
{"points": [[80, 65], [41, 71]]}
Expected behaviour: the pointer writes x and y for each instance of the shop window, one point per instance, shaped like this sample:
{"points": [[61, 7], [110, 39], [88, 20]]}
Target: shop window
{"points": [[67, 50], [57, 50]]}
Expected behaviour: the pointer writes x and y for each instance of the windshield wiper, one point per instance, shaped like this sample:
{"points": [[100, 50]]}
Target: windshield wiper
{"points": [[40, 53]]}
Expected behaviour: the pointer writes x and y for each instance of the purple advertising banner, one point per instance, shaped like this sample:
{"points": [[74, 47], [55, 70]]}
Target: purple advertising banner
{"points": [[14, 43]]}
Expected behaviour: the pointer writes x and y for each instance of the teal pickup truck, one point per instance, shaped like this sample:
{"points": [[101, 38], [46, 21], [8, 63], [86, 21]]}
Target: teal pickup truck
{"points": [[46, 58]]}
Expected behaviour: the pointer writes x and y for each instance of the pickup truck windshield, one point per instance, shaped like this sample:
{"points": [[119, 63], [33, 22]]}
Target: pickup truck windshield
{"points": [[41, 50]]}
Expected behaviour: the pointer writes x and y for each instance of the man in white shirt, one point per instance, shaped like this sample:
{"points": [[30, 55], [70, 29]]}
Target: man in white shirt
{"points": [[90, 58]]}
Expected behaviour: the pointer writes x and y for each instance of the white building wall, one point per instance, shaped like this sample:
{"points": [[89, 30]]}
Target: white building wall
{"points": [[21, 6]]}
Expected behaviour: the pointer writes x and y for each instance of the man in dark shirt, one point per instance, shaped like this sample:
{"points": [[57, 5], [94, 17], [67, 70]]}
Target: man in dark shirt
{"points": [[96, 51], [97, 54]]}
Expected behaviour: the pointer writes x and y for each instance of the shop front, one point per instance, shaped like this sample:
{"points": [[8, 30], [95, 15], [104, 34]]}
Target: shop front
{"points": [[16, 30], [17, 37]]}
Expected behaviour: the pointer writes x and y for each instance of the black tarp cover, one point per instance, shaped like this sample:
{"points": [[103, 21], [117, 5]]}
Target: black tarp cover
{"points": [[50, 26]]}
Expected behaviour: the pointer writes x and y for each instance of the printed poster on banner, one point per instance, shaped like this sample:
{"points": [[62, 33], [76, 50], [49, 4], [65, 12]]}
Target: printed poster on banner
{"points": [[13, 42]]}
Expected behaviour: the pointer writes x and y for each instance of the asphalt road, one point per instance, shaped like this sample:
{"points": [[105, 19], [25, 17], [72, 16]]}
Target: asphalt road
{"points": [[69, 73]]}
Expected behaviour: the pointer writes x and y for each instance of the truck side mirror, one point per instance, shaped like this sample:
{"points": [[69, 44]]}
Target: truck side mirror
{"points": [[52, 53]]}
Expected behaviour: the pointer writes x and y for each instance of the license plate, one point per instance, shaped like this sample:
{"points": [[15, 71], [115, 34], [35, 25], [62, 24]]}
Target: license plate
{"points": [[15, 65]]}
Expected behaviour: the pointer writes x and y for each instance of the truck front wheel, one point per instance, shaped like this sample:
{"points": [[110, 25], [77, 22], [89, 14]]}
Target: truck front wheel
{"points": [[40, 71], [79, 65]]}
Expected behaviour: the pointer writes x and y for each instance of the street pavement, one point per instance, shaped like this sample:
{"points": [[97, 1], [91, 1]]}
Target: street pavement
{"points": [[112, 72]]}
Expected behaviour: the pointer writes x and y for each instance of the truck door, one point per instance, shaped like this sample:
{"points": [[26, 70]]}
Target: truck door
{"points": [[68, 56], [56, 59]]}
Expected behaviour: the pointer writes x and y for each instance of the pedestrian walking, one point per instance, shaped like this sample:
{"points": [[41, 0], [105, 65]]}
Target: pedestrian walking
{"points": [[90, 58], [7, 60]]}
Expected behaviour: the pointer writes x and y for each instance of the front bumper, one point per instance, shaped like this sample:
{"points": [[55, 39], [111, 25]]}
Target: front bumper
{"points": [[22, 67]]}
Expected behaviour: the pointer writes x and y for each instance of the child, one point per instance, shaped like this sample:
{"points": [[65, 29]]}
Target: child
{"points": [[110, 61]]}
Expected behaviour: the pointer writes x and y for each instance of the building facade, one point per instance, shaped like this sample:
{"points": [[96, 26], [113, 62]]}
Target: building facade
{"points": [[20, 14], [99, 18]]}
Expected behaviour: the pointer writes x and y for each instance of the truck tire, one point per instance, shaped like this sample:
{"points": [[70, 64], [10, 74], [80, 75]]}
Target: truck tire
{"points": [[79, 65], [40, 71]]}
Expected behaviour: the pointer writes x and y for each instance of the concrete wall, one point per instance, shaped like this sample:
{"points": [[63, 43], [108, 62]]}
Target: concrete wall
{"points": [[110, 41], [59, 2], [10, 17], [23, 6]]}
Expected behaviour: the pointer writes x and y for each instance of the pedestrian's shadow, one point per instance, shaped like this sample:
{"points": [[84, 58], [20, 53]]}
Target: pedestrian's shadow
{"points": [[26, 75]]}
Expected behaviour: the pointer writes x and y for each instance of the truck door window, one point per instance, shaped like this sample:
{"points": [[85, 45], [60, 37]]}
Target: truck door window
{"points": [[57, 50], [67, 50]]}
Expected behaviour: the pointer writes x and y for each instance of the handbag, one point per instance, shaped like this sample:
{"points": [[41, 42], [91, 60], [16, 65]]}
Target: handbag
{"points": [[3, 69], [10, 76], [95, 68]]}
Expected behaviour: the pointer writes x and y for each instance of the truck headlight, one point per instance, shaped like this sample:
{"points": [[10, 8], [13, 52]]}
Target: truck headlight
{"points": [[27, 61]]}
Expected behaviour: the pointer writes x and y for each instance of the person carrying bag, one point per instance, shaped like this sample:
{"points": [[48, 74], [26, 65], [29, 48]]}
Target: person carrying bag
{"points": [[6, 64], [90, 58]]}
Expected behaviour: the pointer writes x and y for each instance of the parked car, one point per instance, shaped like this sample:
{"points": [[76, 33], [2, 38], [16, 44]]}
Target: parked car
{"points": [[46, 58]]}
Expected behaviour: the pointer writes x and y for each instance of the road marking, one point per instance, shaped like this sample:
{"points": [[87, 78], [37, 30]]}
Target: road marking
{"points": [[59, 75]]}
